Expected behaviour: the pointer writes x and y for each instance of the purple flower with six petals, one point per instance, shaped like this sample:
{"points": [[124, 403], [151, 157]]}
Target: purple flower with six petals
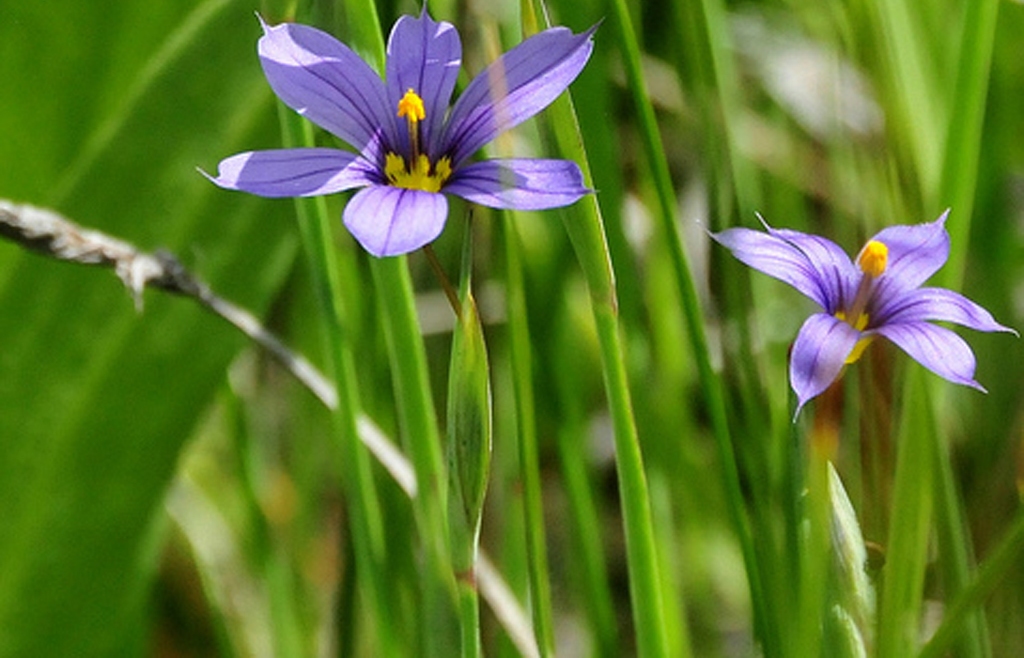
{"points": [[879, 296], [410, 147]]}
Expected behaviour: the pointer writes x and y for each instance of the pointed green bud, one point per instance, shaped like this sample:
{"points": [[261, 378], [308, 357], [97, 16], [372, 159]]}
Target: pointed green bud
{"points": [[852, 617], [468, 428]]}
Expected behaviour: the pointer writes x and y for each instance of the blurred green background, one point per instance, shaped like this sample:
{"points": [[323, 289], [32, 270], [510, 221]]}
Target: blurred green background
{"points": [[166, 489]]}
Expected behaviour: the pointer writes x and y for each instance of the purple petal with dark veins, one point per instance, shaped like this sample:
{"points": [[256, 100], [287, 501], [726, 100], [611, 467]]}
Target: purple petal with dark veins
{"points": [[839, 276], [936, 348], [936, 304], [322, 79], [782, 260], [521, 184], [819, 354], [423, 55], [915, 254], [293, 172], [390, 221], [517, 86]]}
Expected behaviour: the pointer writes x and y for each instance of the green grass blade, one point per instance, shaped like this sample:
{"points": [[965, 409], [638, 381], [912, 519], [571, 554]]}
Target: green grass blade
{"points": [[585, 228], [963, 142], [906, 558], [526, 433], [96, 399]]}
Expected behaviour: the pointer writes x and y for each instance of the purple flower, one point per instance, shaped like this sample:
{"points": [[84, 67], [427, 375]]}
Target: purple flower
{"points": [[880, 295], [408, 146]]}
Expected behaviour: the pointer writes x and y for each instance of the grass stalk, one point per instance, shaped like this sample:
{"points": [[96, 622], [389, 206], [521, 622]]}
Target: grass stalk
{"points": [[586, 231], [906, 558], [526, 434], [710, 382]]}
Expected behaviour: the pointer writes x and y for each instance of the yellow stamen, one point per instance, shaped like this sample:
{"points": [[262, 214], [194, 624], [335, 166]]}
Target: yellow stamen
{"points": [[411, 107], [419, 176], [862, 320], [862, 344], [417, 173], [873, 258], [859, 348]]}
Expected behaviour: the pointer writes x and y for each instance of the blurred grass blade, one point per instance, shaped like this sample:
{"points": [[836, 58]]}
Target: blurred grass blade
{"points": [[1003, 558], [907, 555], [962, 155], [96, 400], [521, 357], [710, 383]]}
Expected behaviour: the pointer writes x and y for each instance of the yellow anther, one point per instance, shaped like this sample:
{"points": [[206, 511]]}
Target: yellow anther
{"points": [[411, 107], [858, 349], [873, 258], [859, 324]]}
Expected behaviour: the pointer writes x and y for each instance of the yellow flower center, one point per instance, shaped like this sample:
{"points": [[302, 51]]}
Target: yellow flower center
{"points": [[873, 258], [417, 173], [862, 344], [859, 324], [419, 176]]}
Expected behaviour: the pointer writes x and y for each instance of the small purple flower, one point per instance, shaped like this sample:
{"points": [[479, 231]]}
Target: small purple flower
{"points": [[879, 296], [409, 147]]}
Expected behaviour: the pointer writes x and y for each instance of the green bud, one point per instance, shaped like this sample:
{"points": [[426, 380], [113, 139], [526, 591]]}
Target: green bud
{"points": [[851, 619], [469, 417]]}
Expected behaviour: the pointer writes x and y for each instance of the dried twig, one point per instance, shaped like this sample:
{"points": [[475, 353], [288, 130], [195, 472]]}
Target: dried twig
{"points": [[48, 233]]}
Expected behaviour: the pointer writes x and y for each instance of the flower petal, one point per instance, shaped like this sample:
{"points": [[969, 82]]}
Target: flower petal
{"points": [[818, 355], [831, 265], [915, 253], [321, 78], [522, 184], [423, 55], [293, 172], [937, 304], [390, 221], [520, 84], [936, 348], [782, 260]]}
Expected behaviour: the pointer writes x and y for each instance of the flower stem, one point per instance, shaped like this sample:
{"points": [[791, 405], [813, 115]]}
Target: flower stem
{"points": [[446, 284]]}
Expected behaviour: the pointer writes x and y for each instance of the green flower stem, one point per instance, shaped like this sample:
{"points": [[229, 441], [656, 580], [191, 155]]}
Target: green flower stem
{"points": [[585, 227], [469, 618], [364, 506], [1004, 558], [710, 382], [526, 430], [469, 441]]}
